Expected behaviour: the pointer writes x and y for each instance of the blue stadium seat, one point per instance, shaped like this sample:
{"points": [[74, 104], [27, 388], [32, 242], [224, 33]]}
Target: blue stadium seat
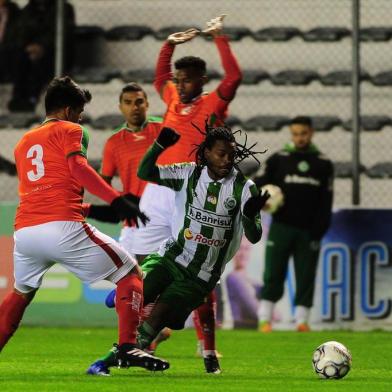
{"points": [[370, 123], [382, 79], [276, 34], [254, 76], [95, 74], [325, 123], [128, 33], [380, 170], [294, 77], [139, 75], [21, 120], [377, 34], [326, 34], [108, 121], [341, 78], [267, 123], [344, 169], [164, 32]]}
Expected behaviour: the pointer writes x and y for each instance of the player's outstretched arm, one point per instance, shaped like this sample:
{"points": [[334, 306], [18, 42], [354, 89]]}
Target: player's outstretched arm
{"points": [[251, 216], [148, 170], [89, 179]]}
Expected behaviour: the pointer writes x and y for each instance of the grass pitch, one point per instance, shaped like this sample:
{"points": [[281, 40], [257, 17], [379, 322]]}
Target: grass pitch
{"points": [[55, 359]]}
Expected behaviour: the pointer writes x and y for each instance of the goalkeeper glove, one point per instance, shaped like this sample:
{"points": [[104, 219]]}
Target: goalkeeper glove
{"points": [[128, 210], [167, 137]]}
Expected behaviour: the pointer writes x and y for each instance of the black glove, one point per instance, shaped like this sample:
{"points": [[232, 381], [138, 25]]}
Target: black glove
{"points": [[254, 204], [108, 214], [167, 137], [127, 210]]}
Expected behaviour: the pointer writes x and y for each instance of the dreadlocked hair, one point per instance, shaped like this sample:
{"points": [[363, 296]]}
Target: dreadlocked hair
{"points": [[212, 134]]}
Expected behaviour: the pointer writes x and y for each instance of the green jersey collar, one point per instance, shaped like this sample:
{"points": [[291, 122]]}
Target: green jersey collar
{"points": [[290, 147]]}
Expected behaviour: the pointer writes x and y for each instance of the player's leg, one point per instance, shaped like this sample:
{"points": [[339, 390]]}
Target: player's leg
{"points": [[278, 248], [30, 264], [104, 258], [306, 254]]}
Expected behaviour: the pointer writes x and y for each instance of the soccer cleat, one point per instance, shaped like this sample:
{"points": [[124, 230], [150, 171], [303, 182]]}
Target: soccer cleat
{"points": [[110, 300], [303, 327], [98, 368], [265, 327], [211, 364], [129, 355]]}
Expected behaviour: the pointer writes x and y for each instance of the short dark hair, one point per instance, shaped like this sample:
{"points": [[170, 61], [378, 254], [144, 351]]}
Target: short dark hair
{"points": [[64, 92], [196, 63], [130, 88], [303, 120]]}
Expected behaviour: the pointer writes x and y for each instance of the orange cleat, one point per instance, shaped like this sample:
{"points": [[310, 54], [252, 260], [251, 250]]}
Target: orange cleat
{"points": [[303, 327], [265, 327]]}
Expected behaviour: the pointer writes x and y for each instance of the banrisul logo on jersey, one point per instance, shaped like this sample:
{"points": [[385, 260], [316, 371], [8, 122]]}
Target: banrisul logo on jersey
{"points": [[209, 218], [201, 239]]}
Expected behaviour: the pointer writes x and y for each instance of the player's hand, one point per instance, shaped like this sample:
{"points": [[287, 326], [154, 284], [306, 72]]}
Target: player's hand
{"points": [[167, 137], [128, 210], [255, 203], [103, 213], [214, 26], [183, 36]]}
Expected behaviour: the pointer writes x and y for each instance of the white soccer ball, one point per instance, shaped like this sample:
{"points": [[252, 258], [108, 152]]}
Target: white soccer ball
{"points": [[275, 201], [331, 360]]}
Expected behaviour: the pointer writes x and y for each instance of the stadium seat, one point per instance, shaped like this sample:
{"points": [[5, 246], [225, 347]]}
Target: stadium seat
{"points": [[370, 123], [213, 74], [233, 122], [164, 32], [254, 76], [19, 120], [249, 167], [267, 123], [95, 74], [325, 123], [139, 75], [128, 33], [235, 33], [326, 34], [344, 169], [341, 78], [95, 164], [382, 79], [276, 34], [88, 32], [378, 34], [380, 170], [108, 121], [294, 77]]}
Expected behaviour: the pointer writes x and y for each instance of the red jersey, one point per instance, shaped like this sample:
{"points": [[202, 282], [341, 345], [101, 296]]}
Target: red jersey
{"points": [[124, 150], [211, 107], [47, 191]]}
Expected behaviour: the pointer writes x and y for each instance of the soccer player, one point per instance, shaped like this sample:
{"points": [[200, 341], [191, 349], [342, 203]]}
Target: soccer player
{"points": [[187, 105], [49, 225], [214, 205], [305, 176]]}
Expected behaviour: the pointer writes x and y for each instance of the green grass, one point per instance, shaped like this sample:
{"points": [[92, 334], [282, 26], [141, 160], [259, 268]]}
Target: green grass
{"points": [[52, 359]]}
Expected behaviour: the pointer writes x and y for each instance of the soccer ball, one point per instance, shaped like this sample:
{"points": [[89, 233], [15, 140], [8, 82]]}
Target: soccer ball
{"points": [[331, 360], [275, 201]]}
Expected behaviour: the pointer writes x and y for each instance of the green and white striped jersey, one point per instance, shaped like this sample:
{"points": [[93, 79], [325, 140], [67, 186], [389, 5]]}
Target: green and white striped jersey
{"points": [[207, 223]]}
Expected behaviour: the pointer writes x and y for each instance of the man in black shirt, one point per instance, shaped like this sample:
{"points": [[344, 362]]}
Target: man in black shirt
{"points": [[305, 177]]}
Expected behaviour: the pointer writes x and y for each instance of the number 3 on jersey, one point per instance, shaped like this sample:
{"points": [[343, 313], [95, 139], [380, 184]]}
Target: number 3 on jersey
{"points": [[36, 152]]}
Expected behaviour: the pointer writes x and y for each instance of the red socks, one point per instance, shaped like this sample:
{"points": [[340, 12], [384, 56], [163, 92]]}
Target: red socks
{"points": [[206, 315], [129, 303], [11, 312]]}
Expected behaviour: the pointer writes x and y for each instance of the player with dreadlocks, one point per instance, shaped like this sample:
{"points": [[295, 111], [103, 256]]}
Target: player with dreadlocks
{"points": [[214, 205]]}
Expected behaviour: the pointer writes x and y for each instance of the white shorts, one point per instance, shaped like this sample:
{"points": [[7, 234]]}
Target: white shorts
{"points": [[157, 202], [77, 246]]}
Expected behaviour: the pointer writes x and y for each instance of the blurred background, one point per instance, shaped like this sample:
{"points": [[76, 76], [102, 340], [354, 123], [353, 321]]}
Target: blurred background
{"points": [[296, 55]]}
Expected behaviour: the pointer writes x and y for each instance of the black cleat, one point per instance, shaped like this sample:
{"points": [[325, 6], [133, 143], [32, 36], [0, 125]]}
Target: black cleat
{"points": [[211, 364], [129, 355]]}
